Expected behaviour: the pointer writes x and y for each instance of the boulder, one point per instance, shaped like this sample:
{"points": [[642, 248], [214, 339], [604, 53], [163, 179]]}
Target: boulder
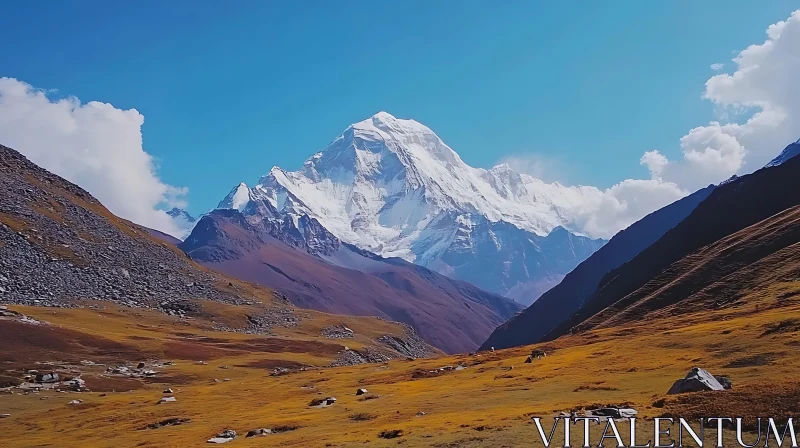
{"points": [[5, 415], [259, 432], [529, 359], [322, 402], [613, 412], [47, 378], [223, 437], [140, 365], [361, 391], [538, 353], [697, 380], [168, 391], [76, 402], [78, 385], [167, 400]]}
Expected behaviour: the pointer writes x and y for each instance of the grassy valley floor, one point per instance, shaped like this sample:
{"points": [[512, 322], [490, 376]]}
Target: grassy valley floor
{"points": [[488, 404]]}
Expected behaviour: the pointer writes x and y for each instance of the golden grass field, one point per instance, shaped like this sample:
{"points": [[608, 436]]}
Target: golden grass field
{"points": [[488, 404]]}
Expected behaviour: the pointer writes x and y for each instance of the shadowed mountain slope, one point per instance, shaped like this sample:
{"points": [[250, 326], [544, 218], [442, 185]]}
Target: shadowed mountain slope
{"points": [[319, 272], [560, 302], [732, 207]]}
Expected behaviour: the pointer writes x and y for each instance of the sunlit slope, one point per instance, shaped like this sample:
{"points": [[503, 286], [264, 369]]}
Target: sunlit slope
{"points": [[753, 341]]}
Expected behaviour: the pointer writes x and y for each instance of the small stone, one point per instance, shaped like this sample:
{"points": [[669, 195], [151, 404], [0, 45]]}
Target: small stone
{"points": [[167, 400], [361, 391], [168, 391], [76, 402], [5, 415]]}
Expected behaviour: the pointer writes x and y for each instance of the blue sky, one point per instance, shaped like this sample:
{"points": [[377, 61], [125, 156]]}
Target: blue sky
{"points": [[229, 90]]}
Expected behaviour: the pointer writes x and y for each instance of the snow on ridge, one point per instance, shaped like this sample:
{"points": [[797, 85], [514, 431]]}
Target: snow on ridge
{"points": [[386, 185]]}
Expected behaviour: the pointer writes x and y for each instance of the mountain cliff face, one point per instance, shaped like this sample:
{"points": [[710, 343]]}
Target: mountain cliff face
{"points": [[394, 188], [314, 269], [559, 303]]}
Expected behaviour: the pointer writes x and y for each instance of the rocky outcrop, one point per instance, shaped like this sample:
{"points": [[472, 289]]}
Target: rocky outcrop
{"points": [[697, 380]]}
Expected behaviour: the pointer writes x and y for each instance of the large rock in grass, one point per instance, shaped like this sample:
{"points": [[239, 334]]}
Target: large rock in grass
{"points": [[697, 380]]}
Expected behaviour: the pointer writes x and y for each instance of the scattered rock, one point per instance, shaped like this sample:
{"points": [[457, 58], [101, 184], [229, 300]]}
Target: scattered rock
{"points": [[538, 354], [697, 380], [361, 391], [140, 365], [529, 359], [322, 402], [167, 400], [337, 332], [420, 414], [168, 391], [614, 413], [223, 437], [47, 378], [259, 432], [76, 402], [5, 415], [174, 421], [78, 385], [391, 433]]}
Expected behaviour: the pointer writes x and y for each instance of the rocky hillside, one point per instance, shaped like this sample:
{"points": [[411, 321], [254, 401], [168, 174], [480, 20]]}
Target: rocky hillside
{"points": [[313, 269], [60, 247], [560, 302]]}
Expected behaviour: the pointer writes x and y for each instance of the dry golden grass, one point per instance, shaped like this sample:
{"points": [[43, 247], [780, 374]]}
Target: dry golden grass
{"points": [[489, 404]]}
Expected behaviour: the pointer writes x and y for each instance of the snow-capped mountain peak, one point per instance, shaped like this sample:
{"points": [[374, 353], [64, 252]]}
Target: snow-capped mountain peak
{"points": [[790, 151], [392, 187]]}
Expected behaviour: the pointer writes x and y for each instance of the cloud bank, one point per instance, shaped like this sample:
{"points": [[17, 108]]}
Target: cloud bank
{"points": [[94, 145], [759, 102]]}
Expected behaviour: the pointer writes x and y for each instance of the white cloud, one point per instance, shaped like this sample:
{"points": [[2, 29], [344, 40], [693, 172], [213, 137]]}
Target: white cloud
{"points": [[623, 204], [717, 67], [94, 145], [764, 92], [536, 165]]}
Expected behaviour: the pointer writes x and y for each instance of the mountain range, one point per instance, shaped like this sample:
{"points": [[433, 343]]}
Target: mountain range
{"points": [[394, 188], [707, 250]]}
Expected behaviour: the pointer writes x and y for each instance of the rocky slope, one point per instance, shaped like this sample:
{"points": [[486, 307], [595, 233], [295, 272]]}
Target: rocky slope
{"points": [[314, 269], [394, 188], [60, 247], [559, 303], [730, 208]]}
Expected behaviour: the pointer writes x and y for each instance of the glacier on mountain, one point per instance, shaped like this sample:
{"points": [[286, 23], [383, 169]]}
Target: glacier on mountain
{"points": [[393, 187]]}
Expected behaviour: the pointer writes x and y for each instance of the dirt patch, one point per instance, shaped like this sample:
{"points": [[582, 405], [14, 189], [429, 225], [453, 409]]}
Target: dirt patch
{"points": [[175, 378], [141, 338], [362, 417], [194, 351], [593, 387], [391, 434], [9, 381], [24, 344], [761, 359], [173, 421], [784, 326], [273, 364], [280, 345], [101, 383]]}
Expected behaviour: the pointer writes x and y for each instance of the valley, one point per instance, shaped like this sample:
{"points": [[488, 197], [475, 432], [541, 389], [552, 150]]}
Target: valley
{"points": [[488, 403]]}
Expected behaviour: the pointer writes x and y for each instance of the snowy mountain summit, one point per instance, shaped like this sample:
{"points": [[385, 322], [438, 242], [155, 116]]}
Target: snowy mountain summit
{"points": [[393, 187]]}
